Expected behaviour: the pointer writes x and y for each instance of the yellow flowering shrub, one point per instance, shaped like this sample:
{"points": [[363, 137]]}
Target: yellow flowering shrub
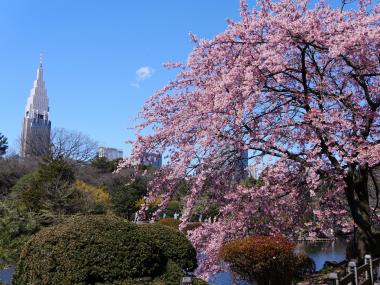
{"points": [[97, 197]]}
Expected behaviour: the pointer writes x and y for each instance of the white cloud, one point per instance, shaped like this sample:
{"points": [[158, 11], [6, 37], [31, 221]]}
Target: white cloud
{"points": [[144, 72], [141, 74]]}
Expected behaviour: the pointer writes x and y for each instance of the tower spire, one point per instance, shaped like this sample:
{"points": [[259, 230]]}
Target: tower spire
{"points": [[36, 128], [39, 70]]}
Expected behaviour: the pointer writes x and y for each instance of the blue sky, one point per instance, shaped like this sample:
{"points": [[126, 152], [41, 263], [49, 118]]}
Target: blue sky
{"points": [[102, 59]]}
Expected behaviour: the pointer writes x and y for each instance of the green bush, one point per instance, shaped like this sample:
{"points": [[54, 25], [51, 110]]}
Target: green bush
{"points": [[172, 276], [16, 226], [87, 250], [104, 250], [174, 244], [28, 192]]}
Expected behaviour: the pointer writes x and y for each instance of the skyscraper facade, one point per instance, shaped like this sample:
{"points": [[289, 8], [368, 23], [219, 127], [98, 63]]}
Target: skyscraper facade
{"points": [[110, 153], [242, 166], [35, 135]]}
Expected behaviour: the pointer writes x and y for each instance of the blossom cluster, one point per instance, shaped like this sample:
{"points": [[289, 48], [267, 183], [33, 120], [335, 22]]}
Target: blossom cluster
{"points": [[296, 87]]}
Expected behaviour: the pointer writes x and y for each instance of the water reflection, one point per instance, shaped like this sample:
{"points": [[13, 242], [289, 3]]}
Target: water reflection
{"points": [[225, 278], [324, 251]]}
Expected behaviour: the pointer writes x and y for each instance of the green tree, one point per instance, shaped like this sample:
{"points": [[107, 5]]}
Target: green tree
{"points": [[3, 144], [49, 192], [104, 165], [28, 193], [16, 226], [105, 250], [125, 192]]}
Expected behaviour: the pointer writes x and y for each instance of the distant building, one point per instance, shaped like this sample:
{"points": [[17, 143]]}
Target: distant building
{"points": [[152, 159], [252, 171], [110, 153], [35, 135], [242, 166]]}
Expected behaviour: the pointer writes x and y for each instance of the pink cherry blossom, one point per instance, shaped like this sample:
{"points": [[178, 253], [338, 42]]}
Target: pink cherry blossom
{"points": [[298, 86]]}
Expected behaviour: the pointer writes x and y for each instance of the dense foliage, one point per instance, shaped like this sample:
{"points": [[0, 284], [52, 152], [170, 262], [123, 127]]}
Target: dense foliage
{"points": [[174, 244], [42, 195], [104, 250], [104, 165], [16, 226], [93, 199], [263, 259], [125, 191]]}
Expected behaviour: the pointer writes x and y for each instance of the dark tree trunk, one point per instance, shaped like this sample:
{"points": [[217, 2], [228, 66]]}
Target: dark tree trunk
{"points": [[367, 238]]}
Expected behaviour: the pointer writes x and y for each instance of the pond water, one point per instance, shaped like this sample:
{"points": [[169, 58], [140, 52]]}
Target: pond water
{"points": [[225, 278], [324, 251], [6, 274], [320, 252]]}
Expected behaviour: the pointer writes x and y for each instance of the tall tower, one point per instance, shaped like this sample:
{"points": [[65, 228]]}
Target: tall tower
{"points": [[35, 136]]}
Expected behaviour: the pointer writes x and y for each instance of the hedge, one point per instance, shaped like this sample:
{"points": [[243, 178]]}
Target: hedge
{"points": [[104, 250], [173, 244], [87, 250]]}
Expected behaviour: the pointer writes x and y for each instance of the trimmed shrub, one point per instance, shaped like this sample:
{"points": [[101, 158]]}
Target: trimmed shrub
{"points": [[173, 244], [87, 250], [263, 259], [172, 276], [170, 222], [173, 273], [104, 250]]}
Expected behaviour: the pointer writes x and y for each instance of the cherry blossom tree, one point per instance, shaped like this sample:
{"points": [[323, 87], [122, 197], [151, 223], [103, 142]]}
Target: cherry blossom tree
{"points": [[296, 85]]}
